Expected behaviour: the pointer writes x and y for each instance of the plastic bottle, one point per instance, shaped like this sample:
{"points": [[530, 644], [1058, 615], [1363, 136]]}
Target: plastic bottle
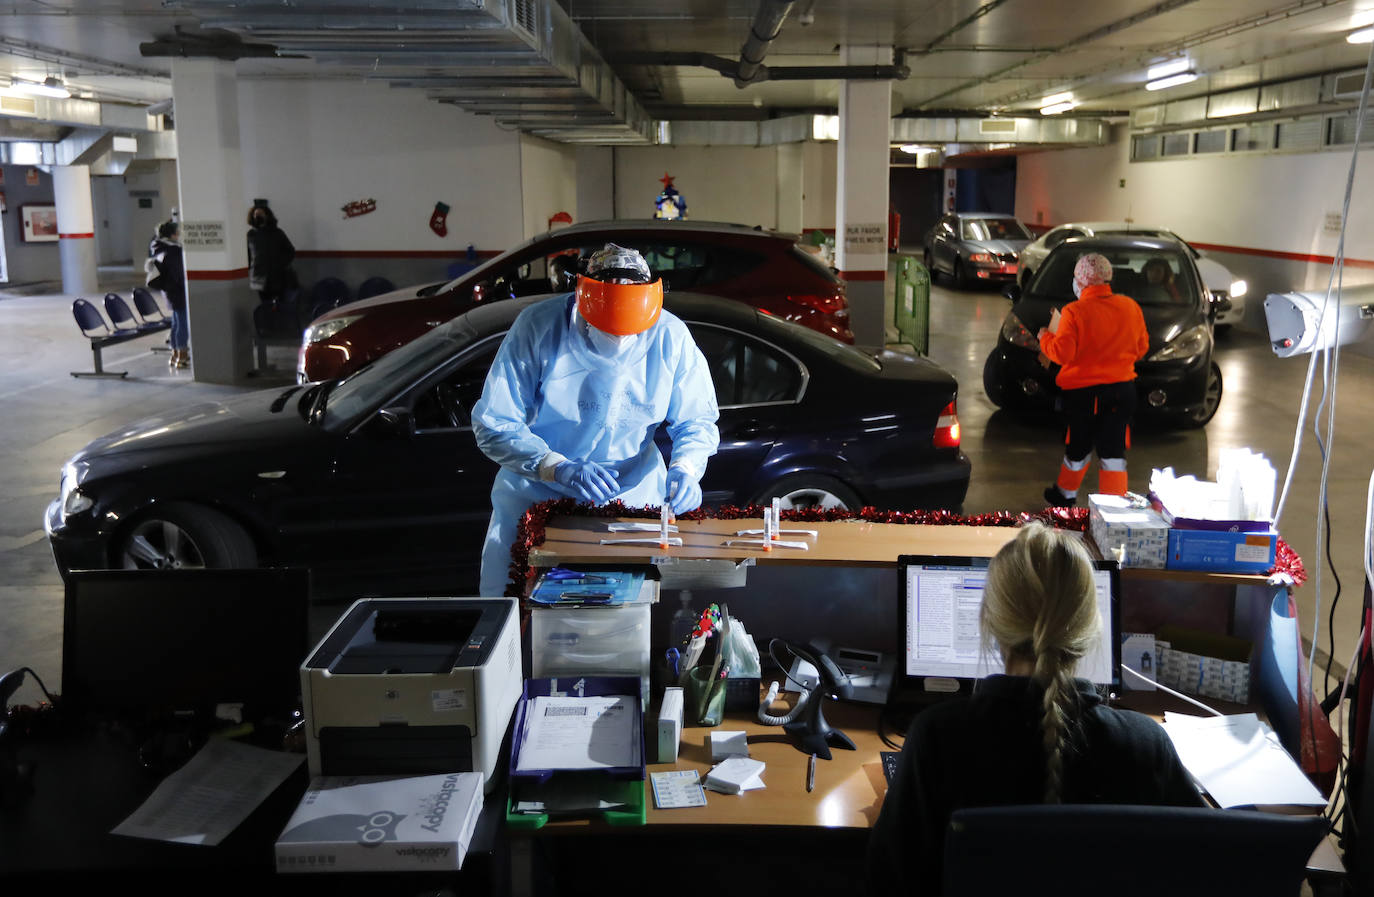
{"points": [[684, 621]]}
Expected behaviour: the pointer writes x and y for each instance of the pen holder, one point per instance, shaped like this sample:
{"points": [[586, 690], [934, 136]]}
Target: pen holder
{"points": [[705, 696]]}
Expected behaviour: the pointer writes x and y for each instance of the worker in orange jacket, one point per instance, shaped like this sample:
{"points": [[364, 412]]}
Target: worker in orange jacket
{"points": [[1097, 341]]}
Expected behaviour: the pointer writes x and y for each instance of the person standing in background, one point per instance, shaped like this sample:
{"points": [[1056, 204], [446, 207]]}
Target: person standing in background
{"points": [[166, 253], [270, 254], [1097, 341]]}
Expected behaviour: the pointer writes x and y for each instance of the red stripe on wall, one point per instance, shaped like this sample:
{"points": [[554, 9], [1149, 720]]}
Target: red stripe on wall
{"points": [[863, 275], [234, 274], [390, 254], [1286, 256], [76, 236]]}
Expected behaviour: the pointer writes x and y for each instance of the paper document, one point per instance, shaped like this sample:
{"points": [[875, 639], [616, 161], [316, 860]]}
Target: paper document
{"points": [[207, 798], [1054, 321], [736, 775], [677, 788], [573, 794], [580, 733], [1239, 761]]}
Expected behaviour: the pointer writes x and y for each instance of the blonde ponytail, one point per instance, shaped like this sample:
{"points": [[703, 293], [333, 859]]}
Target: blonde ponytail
{"points": [[1039, 606]]}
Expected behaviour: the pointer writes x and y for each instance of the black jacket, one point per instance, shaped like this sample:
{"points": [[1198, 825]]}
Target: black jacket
{"points": [[172, 264], [985, 750], [269, 260]]}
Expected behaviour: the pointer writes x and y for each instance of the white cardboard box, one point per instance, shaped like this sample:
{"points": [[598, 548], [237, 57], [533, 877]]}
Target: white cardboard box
{"points": [[670, 724], [1141, 533], [382, 823]]}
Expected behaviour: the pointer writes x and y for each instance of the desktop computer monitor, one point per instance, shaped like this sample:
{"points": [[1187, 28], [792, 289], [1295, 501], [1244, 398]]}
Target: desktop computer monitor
{"points": [[942, 647], [150, 644]]}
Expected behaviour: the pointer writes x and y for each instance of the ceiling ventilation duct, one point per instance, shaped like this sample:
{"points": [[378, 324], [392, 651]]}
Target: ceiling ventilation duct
{"points": [[523, 62]]}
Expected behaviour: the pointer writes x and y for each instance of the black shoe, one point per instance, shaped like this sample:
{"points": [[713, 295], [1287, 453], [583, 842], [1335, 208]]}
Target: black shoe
{"points": [[1058, 499]]}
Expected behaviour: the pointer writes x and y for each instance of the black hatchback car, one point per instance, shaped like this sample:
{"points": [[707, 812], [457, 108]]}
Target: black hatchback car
{"points": [[1178, 382], [375, 482]]}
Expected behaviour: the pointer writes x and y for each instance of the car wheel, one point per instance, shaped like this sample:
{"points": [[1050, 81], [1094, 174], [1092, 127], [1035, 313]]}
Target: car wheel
{"points": [[811, 491], [1211, 400], [992, 381], [181, 536]]}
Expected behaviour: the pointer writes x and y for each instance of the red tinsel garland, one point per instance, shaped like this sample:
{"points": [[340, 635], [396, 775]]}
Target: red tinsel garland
{"points": [[531, 529]]}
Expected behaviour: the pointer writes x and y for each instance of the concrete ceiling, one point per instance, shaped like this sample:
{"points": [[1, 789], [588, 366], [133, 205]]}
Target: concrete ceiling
{"points": [[965, 57]]}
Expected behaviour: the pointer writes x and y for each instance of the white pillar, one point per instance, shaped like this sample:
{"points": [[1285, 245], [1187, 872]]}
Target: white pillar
{"points": [[790, 187], [213, 219], [71, 187], [861, 201]]}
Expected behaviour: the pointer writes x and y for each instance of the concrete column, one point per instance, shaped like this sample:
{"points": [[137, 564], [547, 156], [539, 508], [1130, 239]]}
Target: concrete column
{"points": [[861, 194], [213, 219], [71, 187], [790, 188]]}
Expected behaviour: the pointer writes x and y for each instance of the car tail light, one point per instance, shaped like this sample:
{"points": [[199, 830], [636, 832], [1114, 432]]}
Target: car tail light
{"points": [[947, 428], [826, 304]]}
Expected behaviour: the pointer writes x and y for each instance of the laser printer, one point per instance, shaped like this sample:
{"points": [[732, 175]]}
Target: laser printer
{"points": [[413, 686]]}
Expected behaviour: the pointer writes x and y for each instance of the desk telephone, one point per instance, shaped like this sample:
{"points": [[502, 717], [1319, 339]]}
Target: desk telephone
{"points": [[870, 673]]}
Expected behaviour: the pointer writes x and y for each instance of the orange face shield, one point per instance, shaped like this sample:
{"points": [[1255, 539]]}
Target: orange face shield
{"points": [[620, 309]]}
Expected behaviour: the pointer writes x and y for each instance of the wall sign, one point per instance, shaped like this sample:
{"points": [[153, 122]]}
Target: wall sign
{"points": [[39, 223], [1331, 226], [202, 235], [31, 177], [359, 207], [863, 238]]}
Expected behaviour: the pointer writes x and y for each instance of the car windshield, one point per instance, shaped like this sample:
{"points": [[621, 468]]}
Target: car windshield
{"points": [[994, 229], [1148, 274], [367, 389]]}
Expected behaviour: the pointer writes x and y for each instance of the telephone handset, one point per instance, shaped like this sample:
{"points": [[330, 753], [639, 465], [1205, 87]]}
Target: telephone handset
{"points": [[806, 719]]}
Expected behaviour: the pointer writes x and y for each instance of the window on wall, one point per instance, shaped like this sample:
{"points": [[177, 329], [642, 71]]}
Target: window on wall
{"points": [[1341, 131], [1177, 144], [1211, 142], [1144, 147], [1253, 137]]}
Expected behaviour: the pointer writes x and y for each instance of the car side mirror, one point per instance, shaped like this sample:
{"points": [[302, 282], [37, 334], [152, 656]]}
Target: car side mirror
{"points": [[1221, 303], [1012, 291], [395, 421]]}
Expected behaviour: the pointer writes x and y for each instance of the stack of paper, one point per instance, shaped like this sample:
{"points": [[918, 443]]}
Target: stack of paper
{"points": [[1239, 761], [735, 775]]}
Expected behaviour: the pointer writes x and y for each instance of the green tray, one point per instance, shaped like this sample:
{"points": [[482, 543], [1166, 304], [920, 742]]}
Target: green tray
{"points": [[631, 791]]}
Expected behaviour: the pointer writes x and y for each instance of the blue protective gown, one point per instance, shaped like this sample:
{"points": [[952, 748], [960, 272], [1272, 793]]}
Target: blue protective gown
{"points": [[549, 390]]}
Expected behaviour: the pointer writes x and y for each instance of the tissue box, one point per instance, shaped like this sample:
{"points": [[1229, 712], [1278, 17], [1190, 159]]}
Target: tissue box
{"points": [[1144, 534], [1222, 552]]}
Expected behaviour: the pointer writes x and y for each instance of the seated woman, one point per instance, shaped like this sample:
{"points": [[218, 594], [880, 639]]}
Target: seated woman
{"points": [[1034, 735], [1158, 274]]}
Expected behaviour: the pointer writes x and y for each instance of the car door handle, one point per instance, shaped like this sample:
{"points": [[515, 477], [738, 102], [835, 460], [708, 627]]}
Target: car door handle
{"points": [[750, 429]]}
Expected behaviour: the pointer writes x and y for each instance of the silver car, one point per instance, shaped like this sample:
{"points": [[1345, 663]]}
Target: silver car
{"points": [[975, 247], [1215, 276]]}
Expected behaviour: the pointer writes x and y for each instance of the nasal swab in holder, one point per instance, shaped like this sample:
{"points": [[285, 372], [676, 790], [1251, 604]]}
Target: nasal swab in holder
{"points": [[664, 515]]}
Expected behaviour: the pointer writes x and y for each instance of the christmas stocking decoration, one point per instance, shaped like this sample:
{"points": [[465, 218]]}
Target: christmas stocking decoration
{"points": [[438, 222]]}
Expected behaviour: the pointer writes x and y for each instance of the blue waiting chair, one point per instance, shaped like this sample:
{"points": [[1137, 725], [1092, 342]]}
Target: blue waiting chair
{"points": [[100, 334], [146, 304], [375, 286], [124, 319]]}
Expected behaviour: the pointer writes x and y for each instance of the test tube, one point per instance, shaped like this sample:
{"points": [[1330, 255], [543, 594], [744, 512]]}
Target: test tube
{"points": [[664, 514], [767, 529], [777, 519]]}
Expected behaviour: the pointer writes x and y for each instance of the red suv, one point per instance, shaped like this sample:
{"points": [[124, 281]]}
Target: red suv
{"points": [[765, 269]]}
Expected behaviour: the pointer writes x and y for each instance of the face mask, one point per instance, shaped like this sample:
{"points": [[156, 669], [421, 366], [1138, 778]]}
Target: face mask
{"points": [[1077, 288], [608, 345]]}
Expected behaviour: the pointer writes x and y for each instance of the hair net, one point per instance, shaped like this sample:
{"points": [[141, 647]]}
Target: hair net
{"points": [[1091, 269], [614, 261]]}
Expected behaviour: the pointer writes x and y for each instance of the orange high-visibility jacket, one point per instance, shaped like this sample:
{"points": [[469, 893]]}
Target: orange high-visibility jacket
{"points": [[1101, 335]]}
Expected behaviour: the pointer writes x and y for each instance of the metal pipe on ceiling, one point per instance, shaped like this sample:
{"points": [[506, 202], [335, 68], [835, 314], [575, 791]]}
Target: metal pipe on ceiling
{"points": [[767, 24]]}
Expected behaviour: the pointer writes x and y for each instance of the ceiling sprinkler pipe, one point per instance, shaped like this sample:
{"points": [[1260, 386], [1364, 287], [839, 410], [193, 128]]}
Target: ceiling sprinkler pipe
{"points": [[762, 32]]}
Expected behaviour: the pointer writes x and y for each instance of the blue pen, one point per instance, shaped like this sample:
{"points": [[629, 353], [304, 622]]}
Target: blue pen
{"points": [[673, 656]]}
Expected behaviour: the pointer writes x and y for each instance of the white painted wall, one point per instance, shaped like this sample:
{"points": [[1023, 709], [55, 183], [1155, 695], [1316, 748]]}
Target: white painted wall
{"points": [[162, 180], [548, 182], [312, 147], [1275, 202], [595, 183], [820, 163]]}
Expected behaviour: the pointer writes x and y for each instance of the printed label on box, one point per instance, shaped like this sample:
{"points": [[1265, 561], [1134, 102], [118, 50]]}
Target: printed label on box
{"points": [[448, 699]]}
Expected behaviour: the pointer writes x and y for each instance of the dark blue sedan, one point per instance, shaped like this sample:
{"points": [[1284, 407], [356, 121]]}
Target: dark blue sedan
{"points": [[375, 482]]}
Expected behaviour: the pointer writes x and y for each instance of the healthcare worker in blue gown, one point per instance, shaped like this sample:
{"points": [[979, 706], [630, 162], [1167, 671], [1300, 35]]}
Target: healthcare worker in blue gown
{"points": [[575, 394]]}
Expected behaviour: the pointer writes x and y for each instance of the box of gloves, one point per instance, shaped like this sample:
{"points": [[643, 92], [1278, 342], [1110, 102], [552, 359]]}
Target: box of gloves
{"points": [[1129, 530], [1223, 526]]}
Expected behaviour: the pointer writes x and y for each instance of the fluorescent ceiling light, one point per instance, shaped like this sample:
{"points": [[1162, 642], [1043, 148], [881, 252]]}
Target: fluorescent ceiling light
{"points": [[1057, 99], [1165, 69], [915, 149], [1172, 81], [825, 127], [51, 87], [1363, 36], [1057, 108]]}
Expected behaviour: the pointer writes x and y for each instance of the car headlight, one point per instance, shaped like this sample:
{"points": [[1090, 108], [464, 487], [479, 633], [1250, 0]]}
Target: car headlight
{"points": [[982, 258], [74, 501], [1191, 342], [325, 329], [1014, 332], [1238, 288]]}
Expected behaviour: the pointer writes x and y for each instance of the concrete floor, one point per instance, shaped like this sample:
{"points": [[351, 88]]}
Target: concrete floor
{"points": [[49, 415]]}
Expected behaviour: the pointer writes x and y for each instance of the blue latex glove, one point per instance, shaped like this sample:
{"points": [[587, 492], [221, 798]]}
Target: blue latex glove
{"points": [[684, 492], [589, 480]]}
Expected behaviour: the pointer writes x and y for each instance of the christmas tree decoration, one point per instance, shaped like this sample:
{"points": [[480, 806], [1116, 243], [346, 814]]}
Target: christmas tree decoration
{"points": [[670, 206], [438, 221]]}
